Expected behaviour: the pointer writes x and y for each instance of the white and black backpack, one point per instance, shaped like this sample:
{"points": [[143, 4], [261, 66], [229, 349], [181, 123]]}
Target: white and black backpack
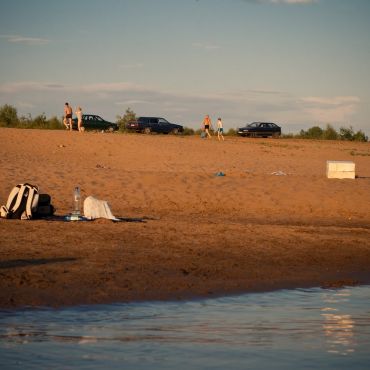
{"points": [[25, 202]]}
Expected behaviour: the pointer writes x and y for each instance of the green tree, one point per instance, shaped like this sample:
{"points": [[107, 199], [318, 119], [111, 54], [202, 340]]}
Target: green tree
{"points": [[129, 116], [360, 136], [346, 133], [314, 132], [8, 116], [329, 133]]}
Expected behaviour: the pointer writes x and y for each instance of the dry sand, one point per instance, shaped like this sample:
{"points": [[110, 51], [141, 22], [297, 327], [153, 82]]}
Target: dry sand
{"points": [[203, 236]]}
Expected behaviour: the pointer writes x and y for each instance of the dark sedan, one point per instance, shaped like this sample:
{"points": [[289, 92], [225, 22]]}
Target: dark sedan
{"points": [[260, 129], [154, 124], [94, 122]]}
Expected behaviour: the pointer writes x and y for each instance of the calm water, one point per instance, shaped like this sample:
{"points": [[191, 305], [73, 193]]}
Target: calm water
{"points": [[295, 329]]}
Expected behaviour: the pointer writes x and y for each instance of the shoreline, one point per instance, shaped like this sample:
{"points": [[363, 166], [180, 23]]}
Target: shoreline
{"points": [[204, 236], [152, 266]]}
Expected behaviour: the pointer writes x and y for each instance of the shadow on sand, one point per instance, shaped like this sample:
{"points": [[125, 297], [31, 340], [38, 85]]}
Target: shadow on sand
{"points": [[33, 262]]}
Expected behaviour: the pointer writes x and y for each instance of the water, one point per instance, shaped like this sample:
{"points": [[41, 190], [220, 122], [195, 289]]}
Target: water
{"points": [[296, 329]]}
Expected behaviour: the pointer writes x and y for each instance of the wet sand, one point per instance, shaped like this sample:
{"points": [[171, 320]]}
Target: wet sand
{"points": [[274, 221]]}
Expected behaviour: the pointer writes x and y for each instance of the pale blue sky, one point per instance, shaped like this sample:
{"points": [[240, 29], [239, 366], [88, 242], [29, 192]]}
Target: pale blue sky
{"points": [[295, 62]]}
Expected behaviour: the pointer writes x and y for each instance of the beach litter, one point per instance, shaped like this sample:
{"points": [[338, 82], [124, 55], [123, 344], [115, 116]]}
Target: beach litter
{"points": [[220, 174], [279, 173]]}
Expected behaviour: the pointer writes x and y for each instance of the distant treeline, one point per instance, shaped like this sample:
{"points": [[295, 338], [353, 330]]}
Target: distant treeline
{"points": [[9, 118], [329, 133]]}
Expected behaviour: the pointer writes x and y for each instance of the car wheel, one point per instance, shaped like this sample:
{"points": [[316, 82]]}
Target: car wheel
{"points": [[110, 129], [175, 131], [147, 130], [275, 135]]}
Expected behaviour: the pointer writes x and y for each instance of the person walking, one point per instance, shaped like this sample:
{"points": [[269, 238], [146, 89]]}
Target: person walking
{"points": [[67, 116], [206, 126], [79, 119], [220, 130]]}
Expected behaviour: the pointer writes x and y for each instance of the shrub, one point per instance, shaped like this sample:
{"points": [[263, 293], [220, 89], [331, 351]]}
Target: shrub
{"points": [[314, 132], [348, 134], [329, 133], [40, 122], [360, 136], [8, 116], [129, 116], [231, 132], [188, 131]]}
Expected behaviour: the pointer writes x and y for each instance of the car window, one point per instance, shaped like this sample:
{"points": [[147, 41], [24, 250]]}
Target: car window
{"points": [[98, 118], [162, 120], [254, 124]]}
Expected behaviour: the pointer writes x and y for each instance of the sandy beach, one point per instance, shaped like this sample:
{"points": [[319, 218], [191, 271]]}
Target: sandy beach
{"points": [[274, 221]]}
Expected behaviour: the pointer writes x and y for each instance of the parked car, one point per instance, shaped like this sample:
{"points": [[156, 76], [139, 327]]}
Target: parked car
{"points": [[262, 129], [154, 124], [94, 122]]}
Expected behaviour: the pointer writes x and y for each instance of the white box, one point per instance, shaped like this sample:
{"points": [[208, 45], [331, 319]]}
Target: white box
{"points": [[340, 170]]}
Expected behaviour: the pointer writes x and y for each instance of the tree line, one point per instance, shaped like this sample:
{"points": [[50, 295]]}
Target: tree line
{"points": [[9, 118]]}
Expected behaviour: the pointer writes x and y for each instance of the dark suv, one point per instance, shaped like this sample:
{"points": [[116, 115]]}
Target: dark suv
{"points": [[154, 124], [94, 122]]}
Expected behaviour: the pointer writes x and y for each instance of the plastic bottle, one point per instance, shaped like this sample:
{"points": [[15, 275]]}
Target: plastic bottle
{"points": [[76, 202]]}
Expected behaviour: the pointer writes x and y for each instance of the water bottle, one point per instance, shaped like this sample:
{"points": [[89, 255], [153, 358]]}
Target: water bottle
{"points": [[76, 202]]}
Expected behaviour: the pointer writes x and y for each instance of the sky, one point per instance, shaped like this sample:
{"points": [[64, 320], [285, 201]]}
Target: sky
{"points": [[297, 63]]}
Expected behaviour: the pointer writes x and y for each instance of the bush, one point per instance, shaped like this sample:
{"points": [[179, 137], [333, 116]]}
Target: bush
{"points": [[349, 134], [40, 122], [329, 133], [360, 136], [346, 133], [129, 116], [188, 131], [314, 132], [231, 132], [8, 116]]}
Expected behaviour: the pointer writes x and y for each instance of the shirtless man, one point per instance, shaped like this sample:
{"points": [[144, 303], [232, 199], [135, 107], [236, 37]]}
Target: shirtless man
{"points": [[67, 116], [207, 125]]}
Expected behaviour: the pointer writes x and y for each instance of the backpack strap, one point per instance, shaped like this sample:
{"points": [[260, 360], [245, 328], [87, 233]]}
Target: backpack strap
{"points": [[4, 211], [15, 197], [32, 201], [22, 201]]}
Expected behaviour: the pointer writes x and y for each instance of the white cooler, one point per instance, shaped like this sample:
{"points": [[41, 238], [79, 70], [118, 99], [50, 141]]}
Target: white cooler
{"points": [[340, 170]]}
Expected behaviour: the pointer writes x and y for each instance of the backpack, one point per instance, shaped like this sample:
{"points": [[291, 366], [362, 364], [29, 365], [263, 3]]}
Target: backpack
{"points": [[25, 202]]}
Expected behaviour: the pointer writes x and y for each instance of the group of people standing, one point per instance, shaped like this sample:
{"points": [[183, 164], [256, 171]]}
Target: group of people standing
{"points": [[67, 118], [207, 125]]}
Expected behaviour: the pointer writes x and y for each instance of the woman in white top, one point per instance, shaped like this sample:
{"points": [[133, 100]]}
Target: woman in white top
{"points": [[220, 129]]}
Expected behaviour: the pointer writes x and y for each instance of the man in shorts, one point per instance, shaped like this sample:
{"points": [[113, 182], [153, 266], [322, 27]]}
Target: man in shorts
{"points": [[67, 116], [207, 125]]}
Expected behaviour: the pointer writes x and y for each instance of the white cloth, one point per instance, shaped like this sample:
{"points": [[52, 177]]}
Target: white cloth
{"points": [[95, 208]]}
